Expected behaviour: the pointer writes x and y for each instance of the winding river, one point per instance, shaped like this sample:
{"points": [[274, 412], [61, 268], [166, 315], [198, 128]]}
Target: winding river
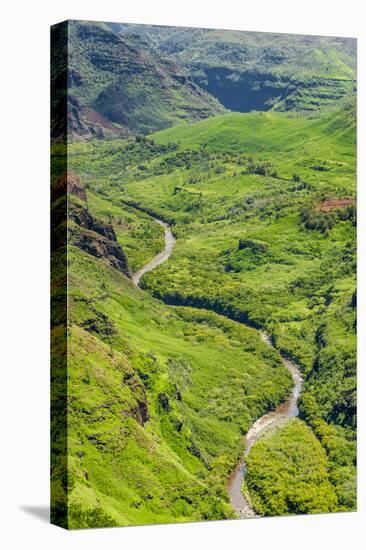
{"points": [[159, 258], [287, 409]]}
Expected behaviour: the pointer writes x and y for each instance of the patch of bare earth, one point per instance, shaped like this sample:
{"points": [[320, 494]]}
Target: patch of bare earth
{"points": [[333, 204]]}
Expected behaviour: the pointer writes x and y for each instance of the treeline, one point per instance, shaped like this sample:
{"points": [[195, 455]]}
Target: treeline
{"points": [[329, 399], [218, 304], [314, 218]]}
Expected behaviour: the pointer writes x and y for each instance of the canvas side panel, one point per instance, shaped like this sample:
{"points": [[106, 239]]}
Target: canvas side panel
{"points": [[59, 473]]}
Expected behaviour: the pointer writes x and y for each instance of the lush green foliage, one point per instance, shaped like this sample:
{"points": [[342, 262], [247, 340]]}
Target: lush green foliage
{"points": [[249, 70], [150, 403], [287, 473], [114, 84], [237, 187], [171, 391]]}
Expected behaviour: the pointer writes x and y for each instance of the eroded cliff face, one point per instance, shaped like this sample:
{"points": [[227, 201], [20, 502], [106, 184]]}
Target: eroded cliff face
{"points": [[248, 71], [95, 237], [260, 91], [242, 92], [81, 229], [86, 123], [106, 86]]}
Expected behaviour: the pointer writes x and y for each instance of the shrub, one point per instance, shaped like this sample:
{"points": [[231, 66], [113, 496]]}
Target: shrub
{"points": [[255, 246], [261, 168], [321, 221]]}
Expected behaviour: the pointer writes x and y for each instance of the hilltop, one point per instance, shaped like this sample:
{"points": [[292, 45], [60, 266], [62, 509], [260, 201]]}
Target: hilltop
{"points": [[115, 87], [258, 71]]}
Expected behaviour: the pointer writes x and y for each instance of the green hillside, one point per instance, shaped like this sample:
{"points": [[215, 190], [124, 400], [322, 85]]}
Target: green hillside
{"points": [[115, 88], [245, 144], [249, 70], [124, 79], [280, 483], [172, 391], [263, 209]]}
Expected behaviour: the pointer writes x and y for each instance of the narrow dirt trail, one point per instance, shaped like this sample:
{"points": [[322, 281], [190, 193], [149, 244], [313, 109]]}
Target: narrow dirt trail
{"points": [[286, 410]]}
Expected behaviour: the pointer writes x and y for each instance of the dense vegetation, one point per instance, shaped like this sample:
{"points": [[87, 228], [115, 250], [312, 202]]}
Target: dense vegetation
{"points": [[239, 191], [287, 473], [115, 87], [170, 390], [262, 71], [262, 205], [123, 79]]}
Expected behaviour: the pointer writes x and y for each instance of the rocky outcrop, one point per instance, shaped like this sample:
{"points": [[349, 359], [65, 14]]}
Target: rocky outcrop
{"points": [[99, 246], [139, 411], [85, 123], [71, 117], [73, 224], [95, 237], [68, 183]]}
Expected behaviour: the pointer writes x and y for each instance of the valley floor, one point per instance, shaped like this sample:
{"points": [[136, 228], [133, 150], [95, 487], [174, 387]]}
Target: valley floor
{"points": [[262, 210]]}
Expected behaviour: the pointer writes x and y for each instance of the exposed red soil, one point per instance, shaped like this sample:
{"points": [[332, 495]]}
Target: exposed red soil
{"points": [[97, 118], [327, 206]]}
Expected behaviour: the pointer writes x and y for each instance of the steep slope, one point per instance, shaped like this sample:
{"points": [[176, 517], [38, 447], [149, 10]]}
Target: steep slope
{"points": [[141, 383], [171, 391], [115, 88], [94, 236], [146, 387], [259, 71], [69, 116]]}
